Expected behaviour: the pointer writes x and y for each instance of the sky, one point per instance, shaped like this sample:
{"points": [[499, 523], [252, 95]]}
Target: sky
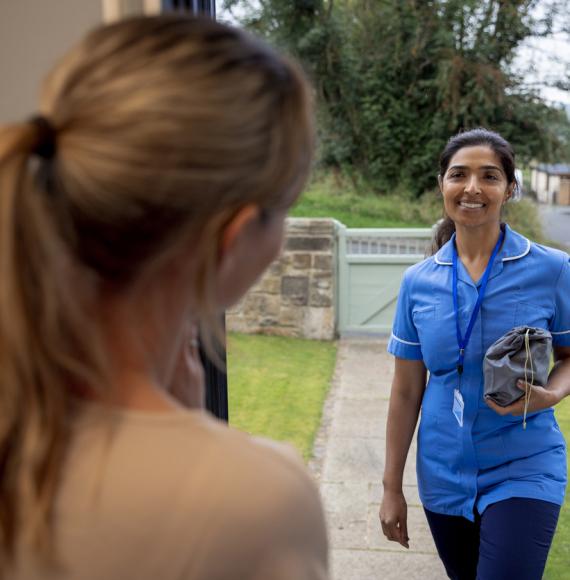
{"points": [[548, 57], [544, 58], [538, 59]]}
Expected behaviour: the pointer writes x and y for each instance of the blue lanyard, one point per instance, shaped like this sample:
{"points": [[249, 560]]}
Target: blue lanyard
{"points": [[463, 341]]}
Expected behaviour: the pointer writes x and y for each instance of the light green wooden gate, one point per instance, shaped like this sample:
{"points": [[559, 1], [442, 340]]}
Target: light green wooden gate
{"points": [[371, 263]]}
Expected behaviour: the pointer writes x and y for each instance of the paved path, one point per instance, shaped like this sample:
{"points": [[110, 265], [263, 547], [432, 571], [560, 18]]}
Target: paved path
{"points": [[350, 460], [556, 223]]}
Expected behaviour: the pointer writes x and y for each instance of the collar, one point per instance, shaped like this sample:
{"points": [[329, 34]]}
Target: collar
{"points": [[514, 247]]}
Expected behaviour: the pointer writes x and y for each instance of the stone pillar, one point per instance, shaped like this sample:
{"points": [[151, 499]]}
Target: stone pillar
{"points": [[297, 294]]}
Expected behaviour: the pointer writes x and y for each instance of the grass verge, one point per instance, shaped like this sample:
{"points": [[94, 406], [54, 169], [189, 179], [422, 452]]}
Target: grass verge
{"points": [[558, 565], [336, 197], [360, 207], [277, 386]]}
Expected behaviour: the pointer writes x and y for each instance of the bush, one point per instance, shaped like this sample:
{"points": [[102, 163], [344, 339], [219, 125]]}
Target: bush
{"points": [[355, 203], [523, 217]]}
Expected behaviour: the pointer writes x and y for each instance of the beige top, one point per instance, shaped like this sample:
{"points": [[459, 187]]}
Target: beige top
{"points": [[182, 496]]}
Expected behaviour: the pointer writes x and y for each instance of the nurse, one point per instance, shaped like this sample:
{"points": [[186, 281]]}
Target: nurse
{"points": [[491, 490]]}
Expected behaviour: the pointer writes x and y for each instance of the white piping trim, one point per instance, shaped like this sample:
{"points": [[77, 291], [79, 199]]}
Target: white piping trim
{"points": [[522, 255], [405, 341], [442, 263], [527, 250], [561, 332]]}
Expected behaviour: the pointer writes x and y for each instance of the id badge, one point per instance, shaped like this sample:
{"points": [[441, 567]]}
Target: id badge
{"points": [[458, 406]]}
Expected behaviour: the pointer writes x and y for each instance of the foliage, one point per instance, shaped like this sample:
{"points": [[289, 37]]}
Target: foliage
{"points": [[277, 386], [395, 78], [523, 217], [357, 206]]}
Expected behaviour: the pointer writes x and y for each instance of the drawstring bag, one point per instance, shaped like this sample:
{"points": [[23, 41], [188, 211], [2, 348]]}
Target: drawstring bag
{"points": [[522, 353]]}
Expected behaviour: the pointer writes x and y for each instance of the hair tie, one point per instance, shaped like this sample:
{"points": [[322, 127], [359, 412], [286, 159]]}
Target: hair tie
{"points": [[45, 147]]}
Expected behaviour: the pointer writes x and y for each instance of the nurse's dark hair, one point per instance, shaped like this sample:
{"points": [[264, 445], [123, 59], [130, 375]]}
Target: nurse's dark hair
{"points": [[476, 137]]}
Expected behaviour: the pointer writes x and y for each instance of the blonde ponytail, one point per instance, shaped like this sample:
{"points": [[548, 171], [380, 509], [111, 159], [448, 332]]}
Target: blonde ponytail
{"points": [[41, 350]]}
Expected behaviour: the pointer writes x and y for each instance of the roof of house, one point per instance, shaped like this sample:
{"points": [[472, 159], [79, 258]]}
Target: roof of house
{"points": [[554, 168]]}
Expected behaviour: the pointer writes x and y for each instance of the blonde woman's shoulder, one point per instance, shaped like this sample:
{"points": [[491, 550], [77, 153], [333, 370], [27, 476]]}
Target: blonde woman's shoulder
{"points": [[275, 455], [273, 519], [184, 496]]}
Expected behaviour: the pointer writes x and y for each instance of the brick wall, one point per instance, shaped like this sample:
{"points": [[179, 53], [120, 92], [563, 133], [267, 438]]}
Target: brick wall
{"points": [[296, 296]]}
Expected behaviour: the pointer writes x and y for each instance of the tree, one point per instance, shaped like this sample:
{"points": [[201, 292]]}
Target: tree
{"points": [[396, 78]]}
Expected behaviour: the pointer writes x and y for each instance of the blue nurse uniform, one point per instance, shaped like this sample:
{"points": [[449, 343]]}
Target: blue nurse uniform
{"points": [[490, 458]]}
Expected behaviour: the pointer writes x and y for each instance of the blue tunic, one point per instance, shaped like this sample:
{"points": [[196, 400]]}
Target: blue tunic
{"points": [[490, 458]]}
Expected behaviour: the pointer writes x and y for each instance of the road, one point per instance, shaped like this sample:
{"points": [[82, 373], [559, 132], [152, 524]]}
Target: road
{"points": [[556, 222]]}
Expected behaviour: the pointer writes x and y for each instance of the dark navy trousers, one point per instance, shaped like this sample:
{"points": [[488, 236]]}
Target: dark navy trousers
{"points": [[509, 541]]}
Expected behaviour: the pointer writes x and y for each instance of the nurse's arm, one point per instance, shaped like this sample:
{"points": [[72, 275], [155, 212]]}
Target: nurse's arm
{"points": [[557, 388], [406, 396]]}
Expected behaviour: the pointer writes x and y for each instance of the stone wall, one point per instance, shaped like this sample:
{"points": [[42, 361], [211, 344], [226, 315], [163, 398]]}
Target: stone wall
{"points": [[296, 296]]}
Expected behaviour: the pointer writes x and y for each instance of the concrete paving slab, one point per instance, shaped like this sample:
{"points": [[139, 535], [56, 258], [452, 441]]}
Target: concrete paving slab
{"points": [[351, 449], [366, 371], [354, 459], [380, 565], [360, 459], [346, 497], [353, 419], [366, 390], [345, 533]]}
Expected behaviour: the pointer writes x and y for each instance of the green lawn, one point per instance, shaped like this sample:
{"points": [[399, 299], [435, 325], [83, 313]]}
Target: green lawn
{"points": [[558, 566], [277, 386]]}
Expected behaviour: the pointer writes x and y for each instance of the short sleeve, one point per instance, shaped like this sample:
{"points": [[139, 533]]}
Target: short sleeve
{"points": [[404, 342], [561, 324]]}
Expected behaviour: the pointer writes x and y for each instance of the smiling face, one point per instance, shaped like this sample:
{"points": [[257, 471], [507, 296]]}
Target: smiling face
{"points": [[475, 187]]}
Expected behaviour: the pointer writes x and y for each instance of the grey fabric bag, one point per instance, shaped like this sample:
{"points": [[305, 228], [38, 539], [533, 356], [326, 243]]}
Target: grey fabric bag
{"points": [[504, 363]]}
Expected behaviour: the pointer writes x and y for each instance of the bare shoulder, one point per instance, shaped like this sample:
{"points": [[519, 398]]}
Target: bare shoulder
{"points": [[270, 502], [216, 503], [257, 462]]}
